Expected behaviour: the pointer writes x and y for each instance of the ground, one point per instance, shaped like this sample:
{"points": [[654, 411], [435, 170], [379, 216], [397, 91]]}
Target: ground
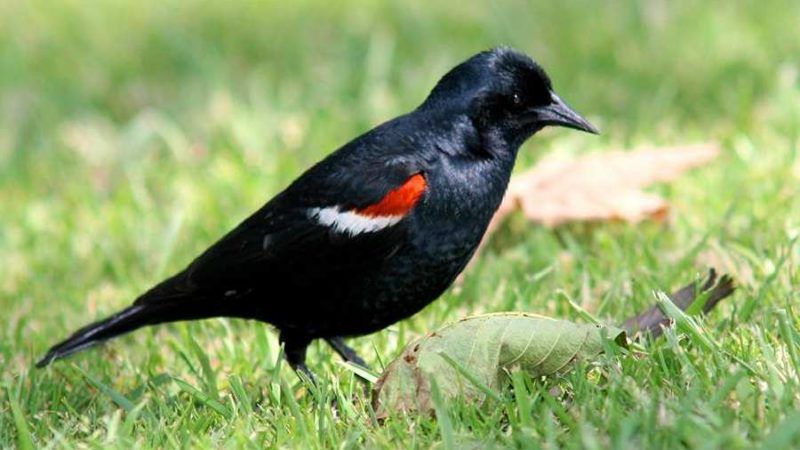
{"points": [[133, 134]]}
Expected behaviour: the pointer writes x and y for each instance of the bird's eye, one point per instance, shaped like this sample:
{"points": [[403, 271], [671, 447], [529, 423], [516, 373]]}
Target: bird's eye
{"points": [[517, 100]]}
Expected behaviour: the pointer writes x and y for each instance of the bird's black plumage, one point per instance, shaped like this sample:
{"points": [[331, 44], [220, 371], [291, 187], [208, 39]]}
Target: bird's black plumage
{"points": [[375, 231]]}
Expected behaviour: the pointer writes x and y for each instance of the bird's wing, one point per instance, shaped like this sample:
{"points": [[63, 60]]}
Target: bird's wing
{"points": [[320, 227]]}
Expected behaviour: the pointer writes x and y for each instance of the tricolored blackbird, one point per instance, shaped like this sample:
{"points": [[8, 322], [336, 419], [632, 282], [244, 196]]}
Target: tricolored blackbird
{"points": [[372, 233]]}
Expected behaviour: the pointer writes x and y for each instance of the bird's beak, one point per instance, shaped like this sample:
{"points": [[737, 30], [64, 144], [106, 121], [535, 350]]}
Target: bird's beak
{"points": [[558, 113]]}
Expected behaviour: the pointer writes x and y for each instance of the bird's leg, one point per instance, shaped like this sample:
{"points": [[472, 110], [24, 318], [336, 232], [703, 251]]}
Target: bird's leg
{"points": [[294, 349], [347, 353]]}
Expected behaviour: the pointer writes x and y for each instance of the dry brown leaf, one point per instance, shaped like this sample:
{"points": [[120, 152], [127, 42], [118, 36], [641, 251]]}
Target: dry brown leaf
{"points": [[601, 186]]}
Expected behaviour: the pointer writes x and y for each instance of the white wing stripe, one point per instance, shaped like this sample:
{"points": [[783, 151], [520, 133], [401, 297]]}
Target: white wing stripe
{"points": [[350, 222]]}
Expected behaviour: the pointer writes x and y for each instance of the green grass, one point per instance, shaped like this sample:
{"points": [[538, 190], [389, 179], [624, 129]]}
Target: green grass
{"points": [[132, 134]]}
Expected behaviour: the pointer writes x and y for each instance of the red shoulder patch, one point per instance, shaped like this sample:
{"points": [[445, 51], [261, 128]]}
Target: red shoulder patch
{"points": [[399, 201]]}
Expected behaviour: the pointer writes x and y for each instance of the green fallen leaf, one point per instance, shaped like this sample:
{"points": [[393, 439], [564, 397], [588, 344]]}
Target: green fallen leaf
{"points": [[472, 357]]}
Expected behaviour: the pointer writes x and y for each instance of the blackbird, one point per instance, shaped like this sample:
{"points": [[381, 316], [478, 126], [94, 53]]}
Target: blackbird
{"points": [[375, 231]]}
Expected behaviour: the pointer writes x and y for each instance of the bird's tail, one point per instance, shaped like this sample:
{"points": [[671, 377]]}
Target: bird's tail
{"points": [[171, 300], [129, 319]]}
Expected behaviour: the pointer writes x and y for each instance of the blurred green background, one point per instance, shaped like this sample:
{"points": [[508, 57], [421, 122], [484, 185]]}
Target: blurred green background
{"points": [[133, 134]]}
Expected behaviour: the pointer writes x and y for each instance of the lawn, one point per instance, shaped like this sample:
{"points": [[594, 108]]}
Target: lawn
{"points": [[133, 134]]}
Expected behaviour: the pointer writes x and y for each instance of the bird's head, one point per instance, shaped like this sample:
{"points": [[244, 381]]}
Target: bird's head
{"points": [[507, 95]]}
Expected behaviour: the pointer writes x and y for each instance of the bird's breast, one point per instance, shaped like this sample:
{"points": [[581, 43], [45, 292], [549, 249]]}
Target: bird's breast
{"points": [[462, 196]]}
